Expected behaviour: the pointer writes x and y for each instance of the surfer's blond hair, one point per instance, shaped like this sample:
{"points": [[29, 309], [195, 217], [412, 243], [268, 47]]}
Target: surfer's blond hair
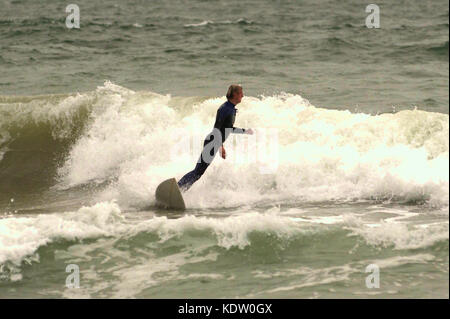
{"points": [[234, 88]]}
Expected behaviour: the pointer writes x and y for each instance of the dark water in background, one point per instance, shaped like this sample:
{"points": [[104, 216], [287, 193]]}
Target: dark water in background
{"points": [[86, 118], [319, 49]]}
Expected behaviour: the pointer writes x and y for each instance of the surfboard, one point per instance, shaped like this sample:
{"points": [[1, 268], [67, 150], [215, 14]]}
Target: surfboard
{"points": [[168, 194]]}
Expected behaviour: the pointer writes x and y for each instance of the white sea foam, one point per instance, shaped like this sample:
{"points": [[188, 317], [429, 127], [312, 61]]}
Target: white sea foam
{"points": [[311, 277], [209, 22], [58, 111], [229, 232], [205, 22], [22, 236], [398, 235], [322, 154]]}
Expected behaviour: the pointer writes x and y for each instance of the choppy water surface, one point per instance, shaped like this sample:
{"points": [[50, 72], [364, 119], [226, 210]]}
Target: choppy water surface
{"points": [[92, 120]]}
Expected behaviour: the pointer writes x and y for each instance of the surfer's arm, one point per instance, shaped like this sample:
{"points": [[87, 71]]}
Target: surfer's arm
{"points": [[237, 130]]}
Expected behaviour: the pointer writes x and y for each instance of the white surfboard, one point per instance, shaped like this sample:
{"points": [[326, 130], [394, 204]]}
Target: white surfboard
{"points": [[168, 194]]}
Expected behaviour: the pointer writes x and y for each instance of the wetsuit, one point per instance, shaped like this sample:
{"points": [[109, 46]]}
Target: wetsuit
{"points": [[223, 126]]}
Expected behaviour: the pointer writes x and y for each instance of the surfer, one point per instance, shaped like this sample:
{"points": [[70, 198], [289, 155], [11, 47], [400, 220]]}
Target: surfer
{"points": [[223, 126]]}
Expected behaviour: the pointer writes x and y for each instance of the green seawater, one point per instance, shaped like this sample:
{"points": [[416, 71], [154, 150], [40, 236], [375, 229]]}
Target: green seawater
{"points": [[90, 117]]}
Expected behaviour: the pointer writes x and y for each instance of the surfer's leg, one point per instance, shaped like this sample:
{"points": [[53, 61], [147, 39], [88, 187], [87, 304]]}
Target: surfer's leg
{"points": [[190, 178], [185, 182]]}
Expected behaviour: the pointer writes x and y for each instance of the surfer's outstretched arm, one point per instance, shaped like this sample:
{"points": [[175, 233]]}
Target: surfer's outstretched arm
{"points": [[237, 130]]}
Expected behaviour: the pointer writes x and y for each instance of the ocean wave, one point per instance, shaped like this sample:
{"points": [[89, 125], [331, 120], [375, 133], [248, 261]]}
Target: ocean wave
{"points": [[35, 134], [264, 233], [440, 50], [22, 236], [400, 236], [134, 140], [240, 21]]}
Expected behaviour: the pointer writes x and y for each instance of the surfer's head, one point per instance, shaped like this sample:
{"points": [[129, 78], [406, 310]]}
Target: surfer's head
{"points": [[235, 94]]}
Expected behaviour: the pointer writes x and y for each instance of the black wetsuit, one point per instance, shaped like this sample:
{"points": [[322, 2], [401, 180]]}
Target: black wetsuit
{"points": [[223, 126]]}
